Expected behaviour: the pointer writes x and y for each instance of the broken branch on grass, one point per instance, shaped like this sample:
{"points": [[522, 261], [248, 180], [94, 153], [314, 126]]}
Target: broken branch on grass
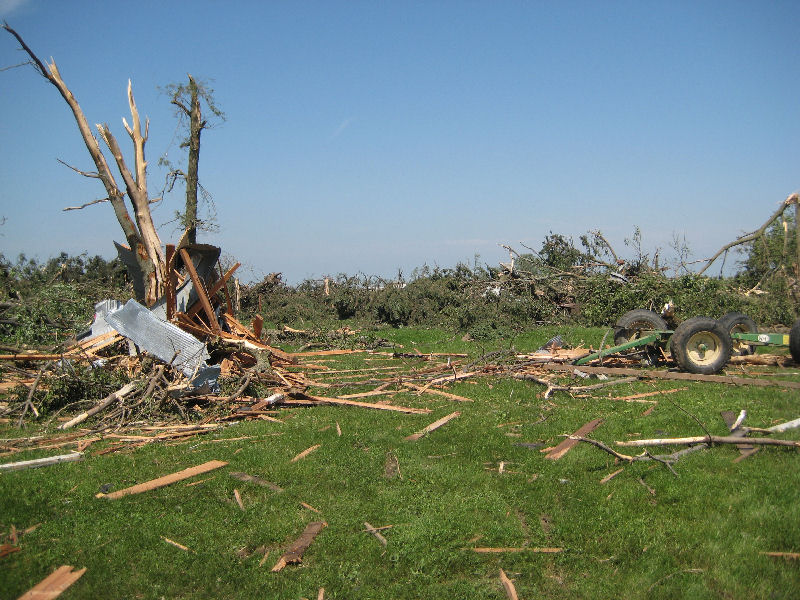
{"points": [[31, 392], [716, 439], [376, 533], [41, 462], [110, 399], [508, 586], [295, 552]]}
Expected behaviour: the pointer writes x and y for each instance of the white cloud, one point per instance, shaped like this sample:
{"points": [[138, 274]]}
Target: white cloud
{"points": [[339, 130], [9, 6]]}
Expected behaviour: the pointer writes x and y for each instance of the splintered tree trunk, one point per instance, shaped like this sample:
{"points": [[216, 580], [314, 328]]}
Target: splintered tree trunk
{"points": [[141, 235], [195, 129]]}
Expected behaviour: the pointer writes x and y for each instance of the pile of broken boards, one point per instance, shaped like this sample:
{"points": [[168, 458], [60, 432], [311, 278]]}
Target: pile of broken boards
{"points": [[194, 315]]}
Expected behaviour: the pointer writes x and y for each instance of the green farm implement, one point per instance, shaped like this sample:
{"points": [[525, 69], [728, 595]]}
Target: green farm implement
{"points": [[698, 345]]}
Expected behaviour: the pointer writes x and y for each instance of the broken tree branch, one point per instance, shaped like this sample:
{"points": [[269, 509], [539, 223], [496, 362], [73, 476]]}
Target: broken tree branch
{"points": [[753, 235]]}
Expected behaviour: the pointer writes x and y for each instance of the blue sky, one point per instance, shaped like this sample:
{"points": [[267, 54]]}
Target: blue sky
{"points": [[372, 136]]}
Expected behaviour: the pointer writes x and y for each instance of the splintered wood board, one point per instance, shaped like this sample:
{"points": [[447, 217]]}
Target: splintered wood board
{"points": [[166, 480]]}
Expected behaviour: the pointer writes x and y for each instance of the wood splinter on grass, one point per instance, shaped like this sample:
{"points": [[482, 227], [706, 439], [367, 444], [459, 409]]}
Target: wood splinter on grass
{"points": [[508, 586], [54, 584], [376, 533], [176, 544], [305, 452], [433, 426], [295, 552], [238, 498]]}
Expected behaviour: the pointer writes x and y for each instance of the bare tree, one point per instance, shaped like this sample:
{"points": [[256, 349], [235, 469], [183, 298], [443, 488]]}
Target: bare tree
{"points": [[140, 232], [187, 99]]}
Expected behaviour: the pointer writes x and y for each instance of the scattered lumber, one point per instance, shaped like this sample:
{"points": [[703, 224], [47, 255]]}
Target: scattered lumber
{"points": [[166, 480], [41, 462], [569, 443], [432, 427], [295, 552], [54, 584], [345, 402], [422, 390]]}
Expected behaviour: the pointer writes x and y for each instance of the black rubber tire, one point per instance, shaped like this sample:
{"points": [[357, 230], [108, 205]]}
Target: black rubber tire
{"points": [[630, 325], [701, 345], [794, 342], [736, 322]]}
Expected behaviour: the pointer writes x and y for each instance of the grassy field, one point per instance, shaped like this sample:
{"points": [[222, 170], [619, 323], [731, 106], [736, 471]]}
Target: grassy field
{"points": [[646, 533]]}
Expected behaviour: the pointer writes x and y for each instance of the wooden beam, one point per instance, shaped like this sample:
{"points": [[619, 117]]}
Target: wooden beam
{"points": [[220, 284], [166, 480], [673, 375], [171, 282], [201, 290]]}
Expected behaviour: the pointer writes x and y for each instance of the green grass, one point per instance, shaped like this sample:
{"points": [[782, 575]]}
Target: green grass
{"points": [[699, 536]]}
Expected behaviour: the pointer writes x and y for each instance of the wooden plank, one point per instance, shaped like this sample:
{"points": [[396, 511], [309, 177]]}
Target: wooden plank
{"points": [[166, 480], [220, 283], [201, 290], [433, 426], [41, 462], [54, 584], [172, 282], [504, 550], [258, 325], [568, 444], [673, 376], [295, 552], [340, 402]]}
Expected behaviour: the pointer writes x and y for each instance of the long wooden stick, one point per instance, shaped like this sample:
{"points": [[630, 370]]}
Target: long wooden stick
{"points": [[714, 439], [166, 480], [433, 426], [41, 462]]}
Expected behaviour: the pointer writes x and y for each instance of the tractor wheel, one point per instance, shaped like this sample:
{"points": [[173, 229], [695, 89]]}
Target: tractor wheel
{"points": [[736, 322], [794, 342], [701, 345], [629, 326]]}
